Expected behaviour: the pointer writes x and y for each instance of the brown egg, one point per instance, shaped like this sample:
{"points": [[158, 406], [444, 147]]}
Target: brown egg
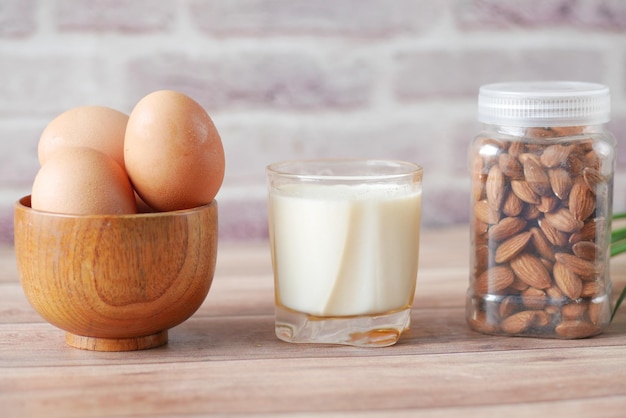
{"points": [[173, 152], [97, 127], [82, 181], [142, 207]]}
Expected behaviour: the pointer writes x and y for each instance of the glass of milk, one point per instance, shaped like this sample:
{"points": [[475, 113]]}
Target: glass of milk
{"points": [[344, 238]]}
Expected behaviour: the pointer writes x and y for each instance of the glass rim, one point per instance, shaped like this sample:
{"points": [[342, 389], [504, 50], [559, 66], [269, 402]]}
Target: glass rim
{"points": [[406, 169]]}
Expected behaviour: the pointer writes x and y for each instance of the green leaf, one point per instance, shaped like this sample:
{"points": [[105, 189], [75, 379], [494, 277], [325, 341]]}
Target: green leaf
{"points": [[618, 302], [619, 215], [618, 234], [618, 246]]}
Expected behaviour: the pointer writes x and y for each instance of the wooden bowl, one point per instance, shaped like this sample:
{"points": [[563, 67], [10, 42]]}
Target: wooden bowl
{"points": [[116, 282]]}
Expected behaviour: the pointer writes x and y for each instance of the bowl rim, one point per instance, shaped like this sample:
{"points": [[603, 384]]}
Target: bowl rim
{"points": [[24, 204]]}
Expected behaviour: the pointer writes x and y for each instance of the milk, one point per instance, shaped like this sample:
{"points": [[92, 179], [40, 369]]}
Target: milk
{"points": [[342, 250]]}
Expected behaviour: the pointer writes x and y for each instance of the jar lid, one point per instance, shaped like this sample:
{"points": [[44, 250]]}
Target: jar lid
{"points": [[544, 103]]}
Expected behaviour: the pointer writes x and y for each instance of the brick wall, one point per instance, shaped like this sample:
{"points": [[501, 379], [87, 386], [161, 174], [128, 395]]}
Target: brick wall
{"points": [[298, 79]]}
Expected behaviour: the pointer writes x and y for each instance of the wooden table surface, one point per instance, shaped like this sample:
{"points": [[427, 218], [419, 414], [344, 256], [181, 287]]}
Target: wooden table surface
{"points": [[225, 360]]}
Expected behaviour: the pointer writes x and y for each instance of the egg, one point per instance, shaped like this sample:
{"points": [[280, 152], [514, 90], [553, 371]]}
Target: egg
{"points": [[142, 207], [82, 181], [97, 127], [173, 153]]}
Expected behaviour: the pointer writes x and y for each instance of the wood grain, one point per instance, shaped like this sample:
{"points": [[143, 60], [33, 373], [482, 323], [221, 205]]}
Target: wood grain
{"points": [[116, 282], [225, 360]]}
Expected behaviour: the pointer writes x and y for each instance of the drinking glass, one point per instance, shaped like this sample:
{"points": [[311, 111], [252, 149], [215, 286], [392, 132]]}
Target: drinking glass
{"points": [[344, 237]]}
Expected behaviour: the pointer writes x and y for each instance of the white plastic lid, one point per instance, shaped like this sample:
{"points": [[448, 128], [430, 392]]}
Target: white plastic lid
{"points": [[544, 103]]}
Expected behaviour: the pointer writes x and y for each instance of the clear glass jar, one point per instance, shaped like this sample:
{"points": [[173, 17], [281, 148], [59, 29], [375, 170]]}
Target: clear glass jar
{"points": [[541, 205]]}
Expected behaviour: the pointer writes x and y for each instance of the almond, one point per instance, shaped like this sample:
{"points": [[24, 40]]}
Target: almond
{"points": [[548, 204], [563, 220], [591, 159], [518, 322], [574, 310], [574, 238], [561, 182], [506, 228], [592, 289], [481, 239], [481, 323], [552, 309], [592, 178], [495, 188], [546, 263], [542, 319], [555, 294], [512, 205], [535, 175], [567, 281], [512, 247], [510, 166], [517, 148], [530, 212], [519, 285], [586, 269], [508, 306], [556, 237], [599, 313], [479, 177], [575, 165], [484, 213], [582, 201], [525, 192], [585, 146], [481, 259], [531, 270], [478, 188], [576, 329], [586, 250], [555, 155], [536, 132], [494, 280], [541, 243], [480, 227], [590, 228], [533, 298], [567, 130]]}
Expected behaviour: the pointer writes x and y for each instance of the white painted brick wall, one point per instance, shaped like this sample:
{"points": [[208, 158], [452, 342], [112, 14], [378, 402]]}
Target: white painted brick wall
{"points": [[299, 79]]}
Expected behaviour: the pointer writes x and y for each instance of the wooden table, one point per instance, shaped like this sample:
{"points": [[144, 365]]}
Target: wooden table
{"points": [[226, 359]]}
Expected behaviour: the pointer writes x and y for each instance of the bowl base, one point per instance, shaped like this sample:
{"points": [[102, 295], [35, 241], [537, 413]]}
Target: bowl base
{"points": [[116, 344]]}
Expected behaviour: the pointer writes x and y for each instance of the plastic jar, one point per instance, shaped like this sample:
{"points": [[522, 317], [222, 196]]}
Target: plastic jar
{"points": [[541, 206]]}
